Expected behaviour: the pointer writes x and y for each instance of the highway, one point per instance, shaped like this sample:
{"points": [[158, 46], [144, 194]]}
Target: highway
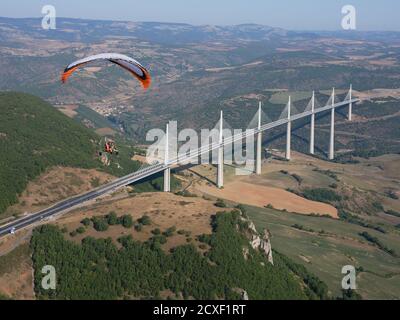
{"points": [[146, 172]]}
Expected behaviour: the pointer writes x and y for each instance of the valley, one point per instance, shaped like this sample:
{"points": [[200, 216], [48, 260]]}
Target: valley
{"points": [[198, 241]]}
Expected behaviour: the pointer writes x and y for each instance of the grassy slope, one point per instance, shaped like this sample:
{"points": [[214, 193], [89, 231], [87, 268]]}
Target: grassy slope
{"points": [[327, 254]]}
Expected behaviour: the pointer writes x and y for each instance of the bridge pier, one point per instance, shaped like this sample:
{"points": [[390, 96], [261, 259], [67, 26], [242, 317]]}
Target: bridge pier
{"points": [[220, 168], [312, 125], [259, 143], [167, 171], [288, 133], [332, 131], [167, 180], [351, 103]]}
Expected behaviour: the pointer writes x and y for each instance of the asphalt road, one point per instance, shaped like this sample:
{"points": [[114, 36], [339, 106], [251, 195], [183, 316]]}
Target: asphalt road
{"points": [[72, 202]]}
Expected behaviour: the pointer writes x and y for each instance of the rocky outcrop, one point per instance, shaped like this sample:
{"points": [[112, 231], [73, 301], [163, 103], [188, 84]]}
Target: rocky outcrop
{"points": [[260, 242], [243, 293]]}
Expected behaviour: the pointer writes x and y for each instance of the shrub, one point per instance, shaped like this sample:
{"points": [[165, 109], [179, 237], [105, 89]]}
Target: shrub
{"points": [[144, 220], [112, 218], [220, 203], [376, 241], [297, 178], [100, 224], [86, 222], [186, 193], [73, 233], [393, 213], [156, 231], [322, 195], [378, 206], [391, 194], [127, 221], [205, 238], [169, 232], [158, 239], [80, 230]]}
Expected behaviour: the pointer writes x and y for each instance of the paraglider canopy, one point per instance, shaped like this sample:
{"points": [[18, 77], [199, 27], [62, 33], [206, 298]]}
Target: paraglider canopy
{"points": [[130, 64]]}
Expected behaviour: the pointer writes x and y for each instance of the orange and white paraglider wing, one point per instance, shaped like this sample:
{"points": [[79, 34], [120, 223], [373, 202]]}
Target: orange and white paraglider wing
{"points": [[136, 69], [130, 64]]}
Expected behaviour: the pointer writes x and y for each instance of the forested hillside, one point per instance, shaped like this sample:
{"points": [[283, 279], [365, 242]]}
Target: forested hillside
{"points": [[97, 269], [34, 136]]}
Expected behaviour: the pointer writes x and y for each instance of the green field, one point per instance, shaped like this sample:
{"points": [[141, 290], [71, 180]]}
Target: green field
{"points": [[282, 97], [326, 254]]}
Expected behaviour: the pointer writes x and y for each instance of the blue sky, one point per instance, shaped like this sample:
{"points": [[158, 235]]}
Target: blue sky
{"points": [[289, 14]]}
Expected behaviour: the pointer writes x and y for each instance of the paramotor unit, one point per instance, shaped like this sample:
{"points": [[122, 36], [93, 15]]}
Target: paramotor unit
{"points": [[130, 64], [109, 146], [107, 151]]}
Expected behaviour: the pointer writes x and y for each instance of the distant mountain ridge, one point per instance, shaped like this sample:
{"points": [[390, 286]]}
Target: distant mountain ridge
{"points": [[167, 33]]}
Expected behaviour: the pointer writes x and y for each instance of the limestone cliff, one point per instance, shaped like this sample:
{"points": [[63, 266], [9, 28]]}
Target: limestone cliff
{"points": [[260, 242]]}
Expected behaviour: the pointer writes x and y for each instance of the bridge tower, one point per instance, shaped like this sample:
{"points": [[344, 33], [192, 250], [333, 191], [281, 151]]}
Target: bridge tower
{"points": [[288, 132], [220, 168], [167, 171], [332, 131], [259, 142], [351, 103], [312, 125]]}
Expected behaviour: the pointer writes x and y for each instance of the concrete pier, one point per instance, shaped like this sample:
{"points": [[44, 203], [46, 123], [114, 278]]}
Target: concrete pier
{"points": [[259, 143], [332, 131], [167, 171], [312, 125], [350, 104], [288, 133], [220, 168]]}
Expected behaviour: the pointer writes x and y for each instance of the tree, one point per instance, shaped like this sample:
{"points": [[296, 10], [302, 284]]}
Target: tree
{"points": [[80, 230], [144, 220], [100, 224], [86, 222], [220, 203], [170, 231], [127, 221], [112, 218]]}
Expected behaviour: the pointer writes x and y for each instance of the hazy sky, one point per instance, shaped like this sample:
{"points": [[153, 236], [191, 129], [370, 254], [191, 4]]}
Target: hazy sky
{"points": [[289, 14]]}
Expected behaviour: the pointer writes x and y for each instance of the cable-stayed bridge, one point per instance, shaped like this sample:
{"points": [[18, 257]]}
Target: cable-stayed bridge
{"points": [[287, 117]]}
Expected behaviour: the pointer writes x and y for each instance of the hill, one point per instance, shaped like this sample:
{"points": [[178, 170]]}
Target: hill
{"points": [[365, 195], [34, 136], [199, 70], [136, 269]]}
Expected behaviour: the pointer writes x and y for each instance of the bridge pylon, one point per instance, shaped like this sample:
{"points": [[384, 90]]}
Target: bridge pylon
{"points": [[312, 125], [220, 167], [167, 171], [288, 133], [332, 130], [259, 142], [349, 115]]}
